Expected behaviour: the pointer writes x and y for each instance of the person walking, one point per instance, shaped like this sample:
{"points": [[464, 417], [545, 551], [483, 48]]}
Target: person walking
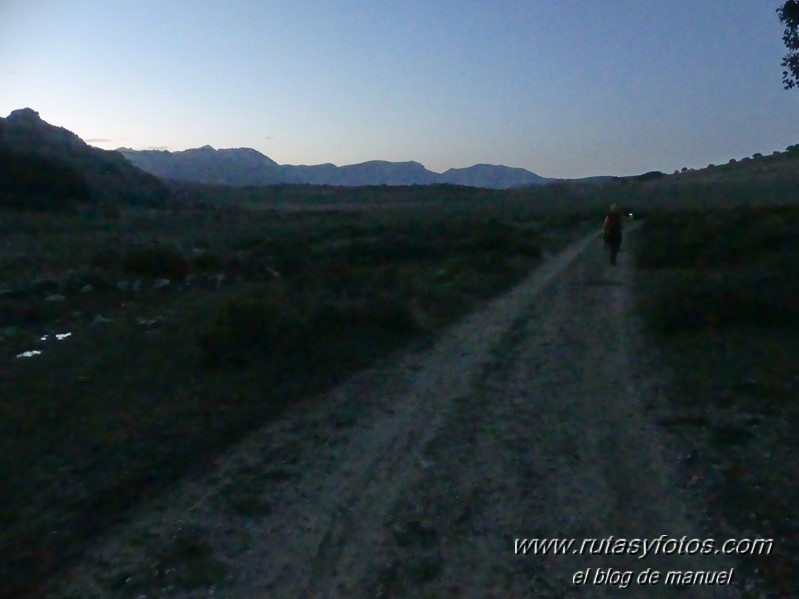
{"points": [[611, 232]]}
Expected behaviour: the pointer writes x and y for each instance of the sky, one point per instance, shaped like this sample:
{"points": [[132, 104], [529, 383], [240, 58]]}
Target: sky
{"points": [[563, 88]]}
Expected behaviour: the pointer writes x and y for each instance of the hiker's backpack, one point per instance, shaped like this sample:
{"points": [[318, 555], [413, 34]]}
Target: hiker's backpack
{"points": [[613, 223]]}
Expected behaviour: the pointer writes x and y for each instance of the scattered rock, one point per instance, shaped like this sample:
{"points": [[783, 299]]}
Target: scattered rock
{"points": [[55, 298], [150, 322]]}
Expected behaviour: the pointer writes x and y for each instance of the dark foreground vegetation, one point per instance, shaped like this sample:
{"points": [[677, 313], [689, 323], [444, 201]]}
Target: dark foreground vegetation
{"points": [[719, 291], [191, 326], [199, 319], [33, 182]]}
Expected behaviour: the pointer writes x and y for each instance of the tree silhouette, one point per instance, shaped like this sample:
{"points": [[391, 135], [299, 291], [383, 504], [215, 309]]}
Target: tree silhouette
{"points": [[789, 16]]}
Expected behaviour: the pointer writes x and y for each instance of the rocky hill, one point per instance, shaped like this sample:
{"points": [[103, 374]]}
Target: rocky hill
{"points": [[492, 176], [234, 166], [43, 166]]}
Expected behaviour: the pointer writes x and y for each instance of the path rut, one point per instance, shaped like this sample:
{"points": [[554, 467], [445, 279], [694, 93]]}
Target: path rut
{"points": [[413, 479]]}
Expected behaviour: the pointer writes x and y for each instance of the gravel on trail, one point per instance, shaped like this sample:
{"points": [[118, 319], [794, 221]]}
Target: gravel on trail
{"points": [[415, 478]]}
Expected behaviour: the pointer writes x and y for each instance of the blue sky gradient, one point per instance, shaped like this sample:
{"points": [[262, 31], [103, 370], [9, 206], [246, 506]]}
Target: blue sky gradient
{"points": [[564, 88]]}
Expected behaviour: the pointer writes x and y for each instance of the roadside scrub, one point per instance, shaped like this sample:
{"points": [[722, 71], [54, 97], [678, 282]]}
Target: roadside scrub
{"points": [[355, 299], [718, 292], [261, 310]]}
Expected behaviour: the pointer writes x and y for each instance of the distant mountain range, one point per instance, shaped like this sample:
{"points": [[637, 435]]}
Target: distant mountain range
{"points": [[245, 166], [46, 165]]}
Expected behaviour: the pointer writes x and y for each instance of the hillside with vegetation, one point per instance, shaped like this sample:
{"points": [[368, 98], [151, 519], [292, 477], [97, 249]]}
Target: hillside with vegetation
{"points": [[45, 167]]}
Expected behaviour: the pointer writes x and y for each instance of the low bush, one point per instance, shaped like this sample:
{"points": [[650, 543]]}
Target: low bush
{"points": [[722, 269], [493, 238], [396, 250], [156, 261], [30, 181], [278, 327], [206, 262], [697, 301], [718, 238], [268, 324]]}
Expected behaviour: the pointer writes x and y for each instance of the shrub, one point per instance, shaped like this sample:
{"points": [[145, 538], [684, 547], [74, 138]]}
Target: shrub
{"points": [[712, 239], [281, 327], [108, 257], [156, 261], [267, 323], [253, 319], [23, 313], [377, 313], [732, 267], [527, 243], [39, 183], [752, 296], [207, 262], [288, 256], [649, 176], [494, 237], [394, 250]]}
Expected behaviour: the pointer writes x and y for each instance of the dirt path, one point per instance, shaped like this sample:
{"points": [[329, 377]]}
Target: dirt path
{"points": [[413, 479]]}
